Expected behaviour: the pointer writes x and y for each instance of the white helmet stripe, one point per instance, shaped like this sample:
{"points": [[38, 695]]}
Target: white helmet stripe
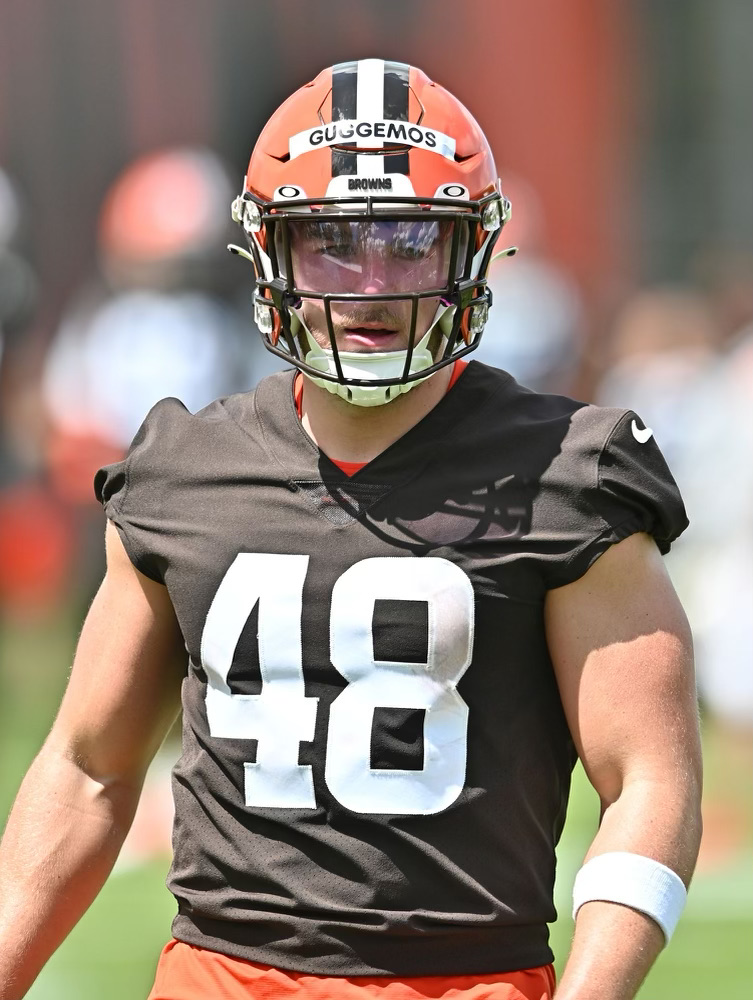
{"points": [[369, 107]]}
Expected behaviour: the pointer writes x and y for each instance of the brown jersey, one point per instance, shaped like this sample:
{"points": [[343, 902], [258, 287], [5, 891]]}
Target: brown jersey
{"points": [[375, 763]]}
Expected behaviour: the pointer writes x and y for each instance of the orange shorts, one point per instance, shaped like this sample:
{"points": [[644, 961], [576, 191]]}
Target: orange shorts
{"points": [[185, 972]]}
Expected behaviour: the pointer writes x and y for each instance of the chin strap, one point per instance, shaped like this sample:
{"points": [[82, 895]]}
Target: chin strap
{"points": [[376, 365]]}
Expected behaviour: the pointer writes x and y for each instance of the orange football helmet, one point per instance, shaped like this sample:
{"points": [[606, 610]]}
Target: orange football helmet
{"points": [[371, 159]]}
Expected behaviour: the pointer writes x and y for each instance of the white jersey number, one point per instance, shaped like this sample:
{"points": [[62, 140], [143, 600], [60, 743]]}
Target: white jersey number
{"points": [[281, 717]]}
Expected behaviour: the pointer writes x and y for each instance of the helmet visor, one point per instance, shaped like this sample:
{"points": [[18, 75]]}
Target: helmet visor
{"points": [[371, 257]]}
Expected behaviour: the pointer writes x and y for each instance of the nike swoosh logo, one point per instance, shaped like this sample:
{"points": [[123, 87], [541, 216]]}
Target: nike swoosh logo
{"points": [[640, 435]]}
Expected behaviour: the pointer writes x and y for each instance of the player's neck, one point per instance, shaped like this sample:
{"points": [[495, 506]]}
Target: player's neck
{"points": [[359, 433]]}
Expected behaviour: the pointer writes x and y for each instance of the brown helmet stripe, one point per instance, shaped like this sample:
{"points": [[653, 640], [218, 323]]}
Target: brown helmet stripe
{"points": [[396, 97], [344, 86]]}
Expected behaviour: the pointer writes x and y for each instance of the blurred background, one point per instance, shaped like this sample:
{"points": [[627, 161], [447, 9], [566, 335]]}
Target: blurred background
{"points": [[622, 134]]}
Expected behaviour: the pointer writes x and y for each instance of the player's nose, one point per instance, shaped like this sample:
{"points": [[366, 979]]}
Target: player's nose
{"points": [[374, 276]]}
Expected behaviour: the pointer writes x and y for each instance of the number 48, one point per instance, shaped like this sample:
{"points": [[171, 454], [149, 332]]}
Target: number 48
{"points": [[282, 715]]}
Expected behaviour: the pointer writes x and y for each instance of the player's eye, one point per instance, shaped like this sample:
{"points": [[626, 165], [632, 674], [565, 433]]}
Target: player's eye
{"points": [[340, 251], [406, 251]]}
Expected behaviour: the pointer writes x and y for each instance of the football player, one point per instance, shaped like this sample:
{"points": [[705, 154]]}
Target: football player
{"points": [[401, 594]]}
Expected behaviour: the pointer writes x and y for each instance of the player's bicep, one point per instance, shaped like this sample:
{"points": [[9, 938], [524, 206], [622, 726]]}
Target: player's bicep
{"points": [[124, 689], [622, 652]]}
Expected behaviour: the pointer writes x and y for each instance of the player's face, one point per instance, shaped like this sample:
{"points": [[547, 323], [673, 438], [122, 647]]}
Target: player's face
{"points": [[370, 257]]}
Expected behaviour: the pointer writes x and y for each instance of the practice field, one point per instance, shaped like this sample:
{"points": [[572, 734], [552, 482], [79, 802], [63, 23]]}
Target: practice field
{"points": [[113, 951]]}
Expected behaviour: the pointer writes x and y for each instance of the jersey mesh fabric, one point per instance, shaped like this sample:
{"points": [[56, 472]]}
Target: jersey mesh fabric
{"points": [[409, 854]]}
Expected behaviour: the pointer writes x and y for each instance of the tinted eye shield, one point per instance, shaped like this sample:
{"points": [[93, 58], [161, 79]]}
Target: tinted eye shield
{"points": [[369, 255]]}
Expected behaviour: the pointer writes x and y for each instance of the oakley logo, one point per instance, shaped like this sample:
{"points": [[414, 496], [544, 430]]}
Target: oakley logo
{"points": [[370, 135], [369, 184]]}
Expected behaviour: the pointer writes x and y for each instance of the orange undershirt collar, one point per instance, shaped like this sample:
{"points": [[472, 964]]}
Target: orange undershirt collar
{"points": [[351, 468]]}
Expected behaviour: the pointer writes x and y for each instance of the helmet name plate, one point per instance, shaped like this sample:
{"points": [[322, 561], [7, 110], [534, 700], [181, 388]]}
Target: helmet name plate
{"points": [[371, 135]]}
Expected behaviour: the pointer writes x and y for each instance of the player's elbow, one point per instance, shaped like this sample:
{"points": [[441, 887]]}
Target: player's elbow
{"points": [[658, 814], [98, 768]]}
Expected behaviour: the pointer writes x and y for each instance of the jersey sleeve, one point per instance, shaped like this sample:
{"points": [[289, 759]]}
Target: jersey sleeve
{"points": [[631, 490], [133, 492]]}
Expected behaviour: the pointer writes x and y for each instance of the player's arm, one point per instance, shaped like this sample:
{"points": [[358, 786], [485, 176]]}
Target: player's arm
{"points": [[78, 799], [622, 652]]}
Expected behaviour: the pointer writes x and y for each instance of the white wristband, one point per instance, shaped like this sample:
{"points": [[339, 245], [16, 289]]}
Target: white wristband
{"points": [[635, 881]]}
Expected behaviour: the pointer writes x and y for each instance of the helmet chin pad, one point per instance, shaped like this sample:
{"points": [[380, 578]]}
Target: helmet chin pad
{"points": [[366, 365]]}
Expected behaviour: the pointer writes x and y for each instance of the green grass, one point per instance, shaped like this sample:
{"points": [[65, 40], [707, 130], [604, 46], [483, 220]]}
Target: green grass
{"points": [[113, 951], [710, 956]]}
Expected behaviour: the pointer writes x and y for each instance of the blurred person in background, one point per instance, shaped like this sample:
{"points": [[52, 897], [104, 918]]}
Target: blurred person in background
{"points": [[537, 332], [411, 591], [714, 565], [684, 357], [718, 449], [158, 322], [159, 319], [716, 462], [661, 345], [35, 544], [18, 286]]}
